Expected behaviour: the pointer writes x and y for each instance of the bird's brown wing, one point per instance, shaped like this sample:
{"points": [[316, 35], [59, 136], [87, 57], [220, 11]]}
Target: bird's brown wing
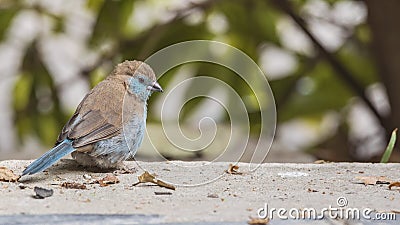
{"points": [[69, 125], [98, 116], [93, 127]]}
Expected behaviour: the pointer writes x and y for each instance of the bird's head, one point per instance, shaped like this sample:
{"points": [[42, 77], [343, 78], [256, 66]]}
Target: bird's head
{"points": [[139, 78]]}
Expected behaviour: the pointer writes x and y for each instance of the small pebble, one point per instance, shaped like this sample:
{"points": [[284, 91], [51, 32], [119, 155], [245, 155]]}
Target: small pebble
{"points": [[42, 192]]}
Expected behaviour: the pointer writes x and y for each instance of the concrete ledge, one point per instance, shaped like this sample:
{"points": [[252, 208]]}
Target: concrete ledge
{"points": [[229, 198]]}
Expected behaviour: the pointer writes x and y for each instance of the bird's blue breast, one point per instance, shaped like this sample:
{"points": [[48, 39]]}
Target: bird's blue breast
{"points": [[125, 144]]}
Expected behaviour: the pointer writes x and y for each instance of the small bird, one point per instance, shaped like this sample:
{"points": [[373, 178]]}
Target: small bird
{"points": [[108, 125]]}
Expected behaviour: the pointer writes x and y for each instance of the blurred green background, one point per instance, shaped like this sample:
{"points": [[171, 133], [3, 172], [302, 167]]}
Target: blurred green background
{"points": [[333, 66]]}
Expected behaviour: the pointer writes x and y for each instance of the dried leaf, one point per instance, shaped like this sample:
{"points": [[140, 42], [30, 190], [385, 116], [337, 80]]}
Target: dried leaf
{"points": [[109, 179], [73, 185], [374, 180], [163, 184], [42, 192], [394, 184], [8, 175], [233, 169], [146, 177], [258, 221]]}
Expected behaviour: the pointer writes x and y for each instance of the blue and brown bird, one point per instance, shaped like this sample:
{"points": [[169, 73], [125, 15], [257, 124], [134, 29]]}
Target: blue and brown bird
{"points": [[109, 124]]}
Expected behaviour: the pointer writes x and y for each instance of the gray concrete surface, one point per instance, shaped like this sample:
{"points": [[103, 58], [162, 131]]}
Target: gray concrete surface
{"points": [[224, 198]]}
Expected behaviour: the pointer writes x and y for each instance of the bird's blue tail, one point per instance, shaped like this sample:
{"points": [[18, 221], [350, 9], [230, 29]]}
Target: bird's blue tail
{"points": [[49, 158]]}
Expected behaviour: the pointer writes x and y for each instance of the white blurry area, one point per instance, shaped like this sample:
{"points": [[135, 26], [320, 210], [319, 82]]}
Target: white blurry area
{"points": [[65, 54], [331, 25]]}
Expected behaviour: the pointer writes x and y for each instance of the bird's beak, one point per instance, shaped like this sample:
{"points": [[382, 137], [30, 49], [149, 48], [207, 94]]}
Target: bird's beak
{"points": [[155, 87]]}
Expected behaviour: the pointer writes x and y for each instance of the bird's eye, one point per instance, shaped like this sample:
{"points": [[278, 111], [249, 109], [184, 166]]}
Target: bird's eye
{"points": [[141, 80]]}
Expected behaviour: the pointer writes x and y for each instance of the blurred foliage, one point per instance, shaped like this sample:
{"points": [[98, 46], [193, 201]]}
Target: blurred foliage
{"points": [[6, 16], [310, 91], [36, 102]]}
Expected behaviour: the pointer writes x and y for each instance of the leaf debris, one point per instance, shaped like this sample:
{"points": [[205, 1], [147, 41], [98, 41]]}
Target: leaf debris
{"points": [[8, 175], [394, 184], [109, 179], [233, 169], [146, 177], [374, 180], [73, 185]]}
